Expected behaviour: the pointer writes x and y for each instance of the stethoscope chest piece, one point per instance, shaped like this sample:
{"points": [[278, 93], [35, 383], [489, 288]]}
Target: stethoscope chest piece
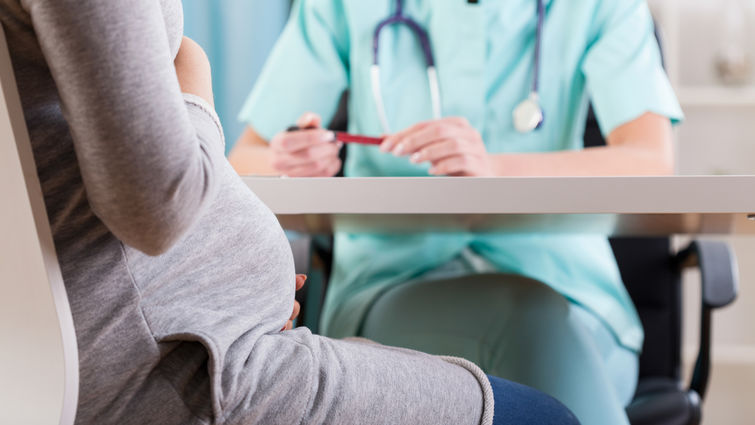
{"points": [[528, 115]]}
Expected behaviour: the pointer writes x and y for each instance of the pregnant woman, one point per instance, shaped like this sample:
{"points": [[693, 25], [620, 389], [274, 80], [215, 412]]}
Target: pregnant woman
{"points": [[142, 203]]}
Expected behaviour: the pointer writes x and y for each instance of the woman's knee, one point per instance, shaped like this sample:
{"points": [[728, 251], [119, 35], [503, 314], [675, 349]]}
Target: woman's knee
{"points": [[518, 404]]}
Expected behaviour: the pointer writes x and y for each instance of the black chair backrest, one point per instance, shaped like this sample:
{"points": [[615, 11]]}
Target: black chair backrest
{"points": [[654, 283]]}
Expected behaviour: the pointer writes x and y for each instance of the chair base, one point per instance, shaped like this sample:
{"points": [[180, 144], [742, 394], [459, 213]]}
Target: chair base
{"points": [[662, 401]]}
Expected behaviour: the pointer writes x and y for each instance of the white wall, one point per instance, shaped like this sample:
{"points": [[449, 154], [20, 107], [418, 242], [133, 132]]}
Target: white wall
{"points": [[716, 138]]}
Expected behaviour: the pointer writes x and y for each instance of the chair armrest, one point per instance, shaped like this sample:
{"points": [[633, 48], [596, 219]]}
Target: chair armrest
{"points": [[720, 284], [718, 267]]}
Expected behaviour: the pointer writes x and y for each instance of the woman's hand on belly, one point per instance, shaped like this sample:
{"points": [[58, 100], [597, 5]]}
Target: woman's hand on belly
{"points": [[451, 145], [300, 279]]}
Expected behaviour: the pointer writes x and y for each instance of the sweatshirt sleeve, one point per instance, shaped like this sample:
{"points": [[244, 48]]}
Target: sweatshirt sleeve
{"points": [[148, 155]]}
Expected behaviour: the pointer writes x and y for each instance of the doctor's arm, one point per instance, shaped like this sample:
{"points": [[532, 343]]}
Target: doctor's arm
{"points": [[315, 39], [251, 154], [305, 153], [642, 146]]}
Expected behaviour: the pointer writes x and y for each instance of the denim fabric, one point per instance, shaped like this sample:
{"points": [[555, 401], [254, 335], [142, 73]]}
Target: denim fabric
{"points": [[516, 404]]}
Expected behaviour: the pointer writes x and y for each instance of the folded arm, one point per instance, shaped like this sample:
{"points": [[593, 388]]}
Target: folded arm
{"points": [[147, 154]]}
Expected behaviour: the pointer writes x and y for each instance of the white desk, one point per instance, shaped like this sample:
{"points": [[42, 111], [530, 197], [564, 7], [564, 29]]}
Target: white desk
{"points": [[603, 205]]}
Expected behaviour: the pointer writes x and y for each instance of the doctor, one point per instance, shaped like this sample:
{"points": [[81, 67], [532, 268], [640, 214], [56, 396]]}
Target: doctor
{"points": [[476, 88]]}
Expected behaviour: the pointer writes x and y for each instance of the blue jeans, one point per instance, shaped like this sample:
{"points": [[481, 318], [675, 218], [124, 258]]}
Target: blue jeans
{"points": [[516, 404]]}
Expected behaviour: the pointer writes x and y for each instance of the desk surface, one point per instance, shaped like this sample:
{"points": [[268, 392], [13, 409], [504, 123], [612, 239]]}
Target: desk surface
{"points": [[605, 205]]}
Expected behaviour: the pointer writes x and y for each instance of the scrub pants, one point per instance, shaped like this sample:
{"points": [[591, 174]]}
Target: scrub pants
{"points": [[514, 328]]}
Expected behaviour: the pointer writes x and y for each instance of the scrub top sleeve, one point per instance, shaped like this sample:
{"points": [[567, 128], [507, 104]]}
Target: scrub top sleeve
{"points": [[306, 71], [623, 68]]}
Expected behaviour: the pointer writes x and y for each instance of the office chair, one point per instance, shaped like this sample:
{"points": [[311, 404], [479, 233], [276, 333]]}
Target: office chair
{"points": [[39, 367], [652, 276]]}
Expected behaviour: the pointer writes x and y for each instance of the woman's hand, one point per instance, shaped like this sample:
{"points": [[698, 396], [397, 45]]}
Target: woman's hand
{"points": [[310, 152], [193, 70], [451, 145], [300, 279]]}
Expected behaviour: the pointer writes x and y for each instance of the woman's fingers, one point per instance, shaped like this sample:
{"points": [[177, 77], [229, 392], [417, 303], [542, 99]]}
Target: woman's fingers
{"points": [[290, 324], [294, 314], [300, 279], [297, 308]]}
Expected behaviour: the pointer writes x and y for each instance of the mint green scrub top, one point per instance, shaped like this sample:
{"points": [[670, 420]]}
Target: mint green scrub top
{"points": [[603, 50]]}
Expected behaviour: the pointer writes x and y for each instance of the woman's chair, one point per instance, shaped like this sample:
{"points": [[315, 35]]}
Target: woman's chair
{"points": [[39, 368]]}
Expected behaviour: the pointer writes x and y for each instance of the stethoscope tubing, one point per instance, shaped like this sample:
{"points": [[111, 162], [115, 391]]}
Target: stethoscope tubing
{"points": [[398, 17], [538, 45]]}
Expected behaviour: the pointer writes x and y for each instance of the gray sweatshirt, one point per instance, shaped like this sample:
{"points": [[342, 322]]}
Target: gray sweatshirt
{"points": [[179, 278]]}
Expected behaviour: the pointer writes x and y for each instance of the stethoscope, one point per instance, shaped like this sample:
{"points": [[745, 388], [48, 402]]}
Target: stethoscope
{"points": [[528, 115]]}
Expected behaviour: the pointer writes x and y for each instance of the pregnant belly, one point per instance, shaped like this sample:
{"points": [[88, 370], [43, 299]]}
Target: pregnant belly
{"points": [[234, 268]]}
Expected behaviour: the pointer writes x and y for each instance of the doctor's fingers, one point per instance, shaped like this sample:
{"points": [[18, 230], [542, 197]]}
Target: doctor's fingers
{"points": [[445, 148], [314, 153], [463, 165], [322, 168], [309, 120], [292, 141], [424, 137], [391, 140]]}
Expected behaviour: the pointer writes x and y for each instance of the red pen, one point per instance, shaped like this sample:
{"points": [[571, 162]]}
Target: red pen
{"points": [[350, 138], [362, 140]]}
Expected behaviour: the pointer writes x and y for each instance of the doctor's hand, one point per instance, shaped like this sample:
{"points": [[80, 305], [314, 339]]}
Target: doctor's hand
{"points": [[300, 279], [310, 152], [451, 145]]}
